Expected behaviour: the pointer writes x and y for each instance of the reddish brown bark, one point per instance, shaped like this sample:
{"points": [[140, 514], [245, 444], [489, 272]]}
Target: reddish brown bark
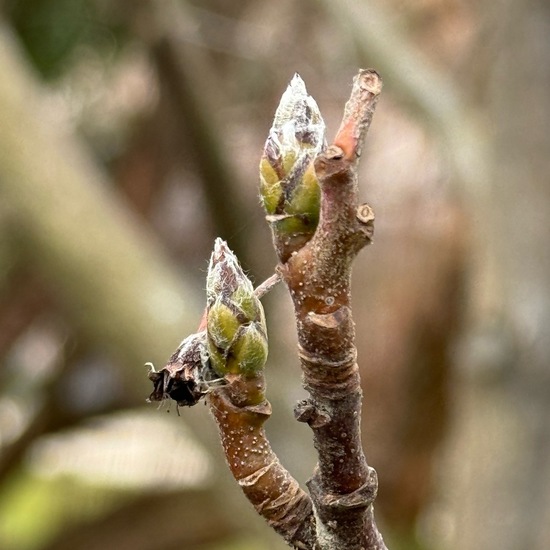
{"points": [[270, 488], [343, 486]]}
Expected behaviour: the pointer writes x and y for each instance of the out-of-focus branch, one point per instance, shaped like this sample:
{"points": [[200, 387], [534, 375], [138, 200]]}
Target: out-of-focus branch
{"points": [[22, 302], [189, 87], [50, 414], [106, 269], [430, 93], [202, 139]]}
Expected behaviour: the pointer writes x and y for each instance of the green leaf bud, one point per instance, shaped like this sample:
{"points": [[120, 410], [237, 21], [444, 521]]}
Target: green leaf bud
{"points": [[289, 188], [235, 321]]}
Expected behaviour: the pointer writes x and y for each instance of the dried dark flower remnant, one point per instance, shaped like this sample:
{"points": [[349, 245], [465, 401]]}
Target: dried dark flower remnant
{"points": [[185, 378], [289, 188], [236, 339]]}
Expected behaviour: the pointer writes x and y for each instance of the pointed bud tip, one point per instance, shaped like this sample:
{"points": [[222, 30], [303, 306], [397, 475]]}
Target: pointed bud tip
{"points": [[221, 254], [297, 84], [225, 274], [220, 250], [293, 102], [297, 116]]}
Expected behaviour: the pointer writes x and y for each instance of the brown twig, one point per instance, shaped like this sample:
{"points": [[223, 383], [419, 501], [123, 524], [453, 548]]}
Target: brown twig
{"points": [[236, 344], [343, 486], [270, 488], [232, 336], [265, 287], [238, 405]]}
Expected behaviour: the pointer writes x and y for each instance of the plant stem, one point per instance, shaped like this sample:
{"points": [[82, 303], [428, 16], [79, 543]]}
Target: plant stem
{"points": [[343, 486], [269, 487]]}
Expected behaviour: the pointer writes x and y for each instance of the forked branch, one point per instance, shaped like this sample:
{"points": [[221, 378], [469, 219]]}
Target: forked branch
{"points": [[310, 195]]}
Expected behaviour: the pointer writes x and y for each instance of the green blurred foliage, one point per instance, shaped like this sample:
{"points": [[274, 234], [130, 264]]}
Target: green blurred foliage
{"points": [[33, 509], [52, 30]]}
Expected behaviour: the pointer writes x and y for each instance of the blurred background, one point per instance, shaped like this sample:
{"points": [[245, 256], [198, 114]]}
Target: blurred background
{"points": [[130, 136]]}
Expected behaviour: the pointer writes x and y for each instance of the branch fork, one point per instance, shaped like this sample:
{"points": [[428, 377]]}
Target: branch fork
{"points": [[310, 195]]}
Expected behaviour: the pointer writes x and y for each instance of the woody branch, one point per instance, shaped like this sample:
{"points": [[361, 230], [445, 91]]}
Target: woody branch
{"points": [[318, 275], [309, 192]]}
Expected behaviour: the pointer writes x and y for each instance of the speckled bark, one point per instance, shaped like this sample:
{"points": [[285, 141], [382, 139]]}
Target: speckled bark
{"points": [[273, 492], [343, 487]]}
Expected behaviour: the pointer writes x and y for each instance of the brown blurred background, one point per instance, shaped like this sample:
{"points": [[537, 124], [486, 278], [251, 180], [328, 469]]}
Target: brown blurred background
{"points": [[130, 136]]}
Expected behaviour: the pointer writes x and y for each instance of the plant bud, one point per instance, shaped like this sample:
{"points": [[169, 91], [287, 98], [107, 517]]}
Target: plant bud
{"points": [[235, 321], [289, 188]]}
